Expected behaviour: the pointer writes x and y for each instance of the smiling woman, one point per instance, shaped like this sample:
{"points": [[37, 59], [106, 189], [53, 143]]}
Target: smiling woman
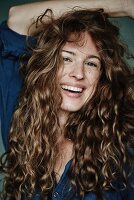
{"points": [[71, 133], [79, 73]]}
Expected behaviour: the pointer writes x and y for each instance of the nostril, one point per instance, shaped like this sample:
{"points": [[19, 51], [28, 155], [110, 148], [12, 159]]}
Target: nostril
{"points": [[77, 73]]}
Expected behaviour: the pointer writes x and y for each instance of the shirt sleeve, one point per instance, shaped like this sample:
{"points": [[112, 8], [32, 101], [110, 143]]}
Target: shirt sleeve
{"points": [[12, 47]]}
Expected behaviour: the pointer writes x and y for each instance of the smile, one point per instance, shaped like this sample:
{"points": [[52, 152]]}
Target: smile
{"points": [[72, 88]]}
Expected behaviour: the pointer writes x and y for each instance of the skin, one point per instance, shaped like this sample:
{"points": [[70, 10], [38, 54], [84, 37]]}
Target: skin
{"points": [[79, 73]]}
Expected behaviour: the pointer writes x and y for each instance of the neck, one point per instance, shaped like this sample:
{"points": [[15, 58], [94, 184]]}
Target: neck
{"points": [[63, 116]]}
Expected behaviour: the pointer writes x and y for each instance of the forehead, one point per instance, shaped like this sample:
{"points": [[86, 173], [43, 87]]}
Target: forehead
{"points": [[84, 45]]}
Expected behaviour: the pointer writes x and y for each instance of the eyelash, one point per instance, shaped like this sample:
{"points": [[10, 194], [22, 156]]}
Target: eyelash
{"points": [[92, 64], [66, 59]]}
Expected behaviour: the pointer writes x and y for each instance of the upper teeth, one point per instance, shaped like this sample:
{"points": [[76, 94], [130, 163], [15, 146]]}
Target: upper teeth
{"points": [[76, 89]]}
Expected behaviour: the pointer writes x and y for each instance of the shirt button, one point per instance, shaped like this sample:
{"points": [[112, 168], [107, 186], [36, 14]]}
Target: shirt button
{"points": [[55, 194]]}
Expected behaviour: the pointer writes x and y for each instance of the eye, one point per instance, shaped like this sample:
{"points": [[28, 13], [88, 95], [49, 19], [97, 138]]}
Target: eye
{"points": [[91, 64], [67, 59]]}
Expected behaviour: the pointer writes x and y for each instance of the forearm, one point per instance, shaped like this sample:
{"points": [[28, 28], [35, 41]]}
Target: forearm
{"points": [[20, 17]]}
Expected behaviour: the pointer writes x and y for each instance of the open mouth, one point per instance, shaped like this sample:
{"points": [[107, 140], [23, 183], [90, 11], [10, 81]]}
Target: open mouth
{"points": [[72, 89]]}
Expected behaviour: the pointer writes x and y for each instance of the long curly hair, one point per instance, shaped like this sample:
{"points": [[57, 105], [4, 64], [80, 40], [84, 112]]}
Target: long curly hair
{"points": [[100, 130]]}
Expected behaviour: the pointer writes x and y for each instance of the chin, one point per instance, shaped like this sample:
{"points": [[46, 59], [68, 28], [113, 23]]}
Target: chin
{"points": [[70, 108]]}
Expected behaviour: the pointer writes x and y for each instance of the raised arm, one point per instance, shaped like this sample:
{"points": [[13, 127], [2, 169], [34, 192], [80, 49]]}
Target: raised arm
{"points": [[20, 17]]}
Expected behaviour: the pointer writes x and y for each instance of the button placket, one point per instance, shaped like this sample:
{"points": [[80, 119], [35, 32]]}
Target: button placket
{"points": [[55, 194]]}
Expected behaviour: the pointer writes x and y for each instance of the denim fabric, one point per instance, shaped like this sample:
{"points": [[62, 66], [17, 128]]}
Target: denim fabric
{"points": [[12, 47]]}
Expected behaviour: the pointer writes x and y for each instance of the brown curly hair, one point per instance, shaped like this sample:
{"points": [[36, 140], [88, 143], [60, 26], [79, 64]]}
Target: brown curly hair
{"points": [[100, 130]]}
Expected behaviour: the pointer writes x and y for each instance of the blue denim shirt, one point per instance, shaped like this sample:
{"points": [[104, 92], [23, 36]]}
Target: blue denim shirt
{"points": [[12, 47]]}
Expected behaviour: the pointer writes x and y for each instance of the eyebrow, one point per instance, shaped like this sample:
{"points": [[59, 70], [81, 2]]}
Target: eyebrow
{"points": [[90, 56]]}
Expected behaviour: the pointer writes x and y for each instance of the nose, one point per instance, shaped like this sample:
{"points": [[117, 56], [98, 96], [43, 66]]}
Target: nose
{"points": [[77, 71]]}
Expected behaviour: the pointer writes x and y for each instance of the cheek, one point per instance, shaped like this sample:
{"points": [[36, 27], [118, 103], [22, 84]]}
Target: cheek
{"points": [[60, 73], [63, 71], [93, 78]]}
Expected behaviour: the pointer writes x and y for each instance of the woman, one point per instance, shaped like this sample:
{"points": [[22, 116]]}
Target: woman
{"points": [[70, 136]]}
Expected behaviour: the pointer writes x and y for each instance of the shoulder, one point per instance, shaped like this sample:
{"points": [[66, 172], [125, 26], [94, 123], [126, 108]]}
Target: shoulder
{"points": [[11, 42]]}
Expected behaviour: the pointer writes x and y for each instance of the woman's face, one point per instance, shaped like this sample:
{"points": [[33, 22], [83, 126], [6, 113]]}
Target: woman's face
{"points": [[79, 73]]}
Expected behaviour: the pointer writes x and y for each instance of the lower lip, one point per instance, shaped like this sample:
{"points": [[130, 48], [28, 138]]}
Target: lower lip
{"points": [[71, 94]]}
